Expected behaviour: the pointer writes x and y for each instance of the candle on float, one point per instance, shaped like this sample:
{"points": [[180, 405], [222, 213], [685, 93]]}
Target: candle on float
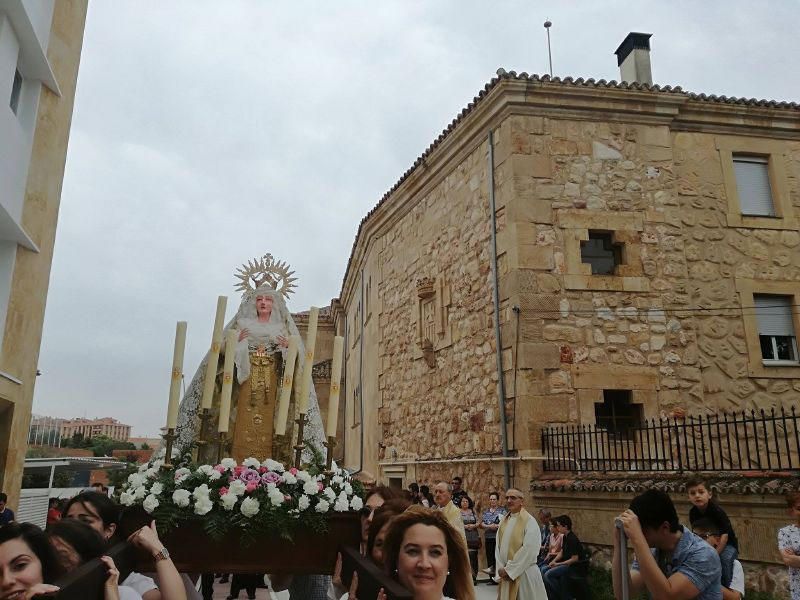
{"points": [[286, 385], [336, 377], [177, 375], [213, 355], [308, 363], [231, 339]]}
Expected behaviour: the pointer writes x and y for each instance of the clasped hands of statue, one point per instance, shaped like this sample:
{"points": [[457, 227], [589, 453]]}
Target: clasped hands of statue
{"points": [[282, 340]]}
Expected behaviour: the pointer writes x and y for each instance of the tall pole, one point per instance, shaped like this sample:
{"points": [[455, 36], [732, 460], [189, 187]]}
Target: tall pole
{"points": [[547, 25]]}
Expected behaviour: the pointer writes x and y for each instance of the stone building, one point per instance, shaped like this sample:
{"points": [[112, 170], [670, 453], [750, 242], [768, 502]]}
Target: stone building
{"points": [[89, 428], [648, 266], [40, 48]]}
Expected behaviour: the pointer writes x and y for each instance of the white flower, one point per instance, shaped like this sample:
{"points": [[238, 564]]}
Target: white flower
{"points": [[206, 470], [201, 491], [249, 507], [228, 463], [237, 487], [251, 462], [181, 497], [228, 500], [151, 473], [214, 475], [322, 506], [126, 499], [310, 487], [356, 503], [303, 476], [304, 502], [143, 467], [275, 496], [182, 474], [329, 493], [157, 488], [289, 478], [203, 505], [337, 480], [273, 465], [157, 464], [150, 503], [140, 492], [348, 489], [136, 479], [341, 504]]}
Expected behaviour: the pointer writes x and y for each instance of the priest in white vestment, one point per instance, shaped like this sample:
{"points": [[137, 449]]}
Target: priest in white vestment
{"points": [[518, 542]]}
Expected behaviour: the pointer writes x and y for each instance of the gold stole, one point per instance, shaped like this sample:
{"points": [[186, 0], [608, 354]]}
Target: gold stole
{"points": [[517, 538]]}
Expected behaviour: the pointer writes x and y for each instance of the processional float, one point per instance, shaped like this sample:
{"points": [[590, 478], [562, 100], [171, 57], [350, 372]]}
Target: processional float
{"points": [[250, 513]]}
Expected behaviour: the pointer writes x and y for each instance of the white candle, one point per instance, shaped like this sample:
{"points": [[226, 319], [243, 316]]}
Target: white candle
{"points": [[213, 355], [231, 339], [286, 385], [336, 378], [177, 375], [308, 363]]}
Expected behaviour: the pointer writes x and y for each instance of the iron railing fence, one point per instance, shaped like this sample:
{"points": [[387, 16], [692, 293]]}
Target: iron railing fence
{"points": [[740, 441]]}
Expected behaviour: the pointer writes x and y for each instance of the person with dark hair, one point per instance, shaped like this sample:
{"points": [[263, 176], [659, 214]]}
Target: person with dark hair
{"points": [[556, 578], [76, 543], [28, 564], [706, 506], [707, 530], [413, 487], [6, 514], [375, 498], [671, 562], [473, 536], [458, 490], [789, 543], [426, 498], [53, 511], [490, 523], [102, 514], [425, 554]]}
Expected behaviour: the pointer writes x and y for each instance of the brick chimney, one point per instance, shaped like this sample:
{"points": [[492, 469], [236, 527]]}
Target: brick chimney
{"points": [[633, 58]]}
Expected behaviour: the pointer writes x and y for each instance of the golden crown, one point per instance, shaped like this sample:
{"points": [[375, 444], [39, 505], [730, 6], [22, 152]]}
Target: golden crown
{"points": [[265, 270]]}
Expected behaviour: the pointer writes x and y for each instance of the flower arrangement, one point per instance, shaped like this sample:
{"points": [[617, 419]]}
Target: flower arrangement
{"points": [[255, 498]]}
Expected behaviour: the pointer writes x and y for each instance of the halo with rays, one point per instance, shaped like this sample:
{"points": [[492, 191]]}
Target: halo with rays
{"points": [[266, 270]]}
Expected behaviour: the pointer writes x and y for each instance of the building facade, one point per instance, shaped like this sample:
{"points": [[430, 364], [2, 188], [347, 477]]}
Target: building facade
{"points": [[89, 428], [40, 48], [648, 268]]}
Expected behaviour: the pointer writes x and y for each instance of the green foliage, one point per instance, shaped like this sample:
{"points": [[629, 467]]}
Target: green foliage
{"points": [[102, 445]]}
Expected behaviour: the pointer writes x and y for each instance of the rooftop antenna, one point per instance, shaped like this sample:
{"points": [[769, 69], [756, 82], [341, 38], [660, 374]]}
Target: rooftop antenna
{"points": [[547, 25]]}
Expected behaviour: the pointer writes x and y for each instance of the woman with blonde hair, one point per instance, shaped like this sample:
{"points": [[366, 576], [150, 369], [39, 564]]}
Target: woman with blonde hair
{"points": [[425, 554]]}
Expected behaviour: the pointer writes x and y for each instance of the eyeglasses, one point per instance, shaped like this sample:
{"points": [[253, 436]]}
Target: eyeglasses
{"points": [[705, 535], [368, 510]]}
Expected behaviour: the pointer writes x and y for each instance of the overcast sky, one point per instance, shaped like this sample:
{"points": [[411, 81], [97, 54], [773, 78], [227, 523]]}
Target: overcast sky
{"points": [[207, 133]]}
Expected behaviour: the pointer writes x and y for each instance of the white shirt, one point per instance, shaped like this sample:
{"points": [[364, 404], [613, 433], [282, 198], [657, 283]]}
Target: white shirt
{"points": [[128, 593], [737, 581], [140, 584]]}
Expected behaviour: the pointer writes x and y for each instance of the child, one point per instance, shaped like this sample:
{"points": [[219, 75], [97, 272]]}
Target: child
{"points": [[789, 544], [705, 529], [704, 506]]}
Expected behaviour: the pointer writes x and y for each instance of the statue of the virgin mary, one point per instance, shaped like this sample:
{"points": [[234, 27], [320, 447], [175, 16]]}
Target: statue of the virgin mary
{"points": [[264, 324]]}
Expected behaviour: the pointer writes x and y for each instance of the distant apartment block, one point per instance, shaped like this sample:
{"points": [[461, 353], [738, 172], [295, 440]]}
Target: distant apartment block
{"points": [[90, 428]]}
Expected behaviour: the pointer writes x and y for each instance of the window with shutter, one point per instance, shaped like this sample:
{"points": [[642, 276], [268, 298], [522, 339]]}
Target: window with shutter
{"points": [[776, 333], [752, 183]]}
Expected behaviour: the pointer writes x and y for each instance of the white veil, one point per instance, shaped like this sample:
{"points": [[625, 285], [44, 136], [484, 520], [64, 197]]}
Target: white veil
{"points": [[188, 427]]}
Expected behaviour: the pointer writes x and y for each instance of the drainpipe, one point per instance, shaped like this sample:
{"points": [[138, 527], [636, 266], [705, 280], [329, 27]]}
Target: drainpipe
{"points": [[501, 387], [360, 376]]}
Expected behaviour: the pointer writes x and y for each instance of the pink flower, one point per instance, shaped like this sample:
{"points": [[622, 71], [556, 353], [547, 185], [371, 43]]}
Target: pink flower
{"points": [[238, 470], [223, 491], [320, 486], [251, 486], [270, 477], [262, 470], [219, 468], [293, 471]]}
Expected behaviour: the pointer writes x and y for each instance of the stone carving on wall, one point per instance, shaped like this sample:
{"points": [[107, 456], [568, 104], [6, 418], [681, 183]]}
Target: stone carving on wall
{"points": [[432, 315]]}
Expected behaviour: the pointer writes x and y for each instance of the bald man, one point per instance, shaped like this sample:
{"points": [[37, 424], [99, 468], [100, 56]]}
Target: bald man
{"points": [[443, 497], [518, 543]]}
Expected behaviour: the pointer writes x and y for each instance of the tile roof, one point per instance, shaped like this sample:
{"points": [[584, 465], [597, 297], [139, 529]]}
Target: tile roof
{"points": [[760, 482], [503, 75]]}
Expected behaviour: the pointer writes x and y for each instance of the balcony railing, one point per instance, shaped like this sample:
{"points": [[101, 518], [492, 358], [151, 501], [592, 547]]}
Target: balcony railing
{"points": [[742, 441]]}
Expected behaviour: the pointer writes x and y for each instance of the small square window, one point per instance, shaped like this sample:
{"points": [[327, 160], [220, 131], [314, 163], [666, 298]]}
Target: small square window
{"points": [[16, 90], [752, 184], [601, 252], [776, 333], [617, 414]]}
